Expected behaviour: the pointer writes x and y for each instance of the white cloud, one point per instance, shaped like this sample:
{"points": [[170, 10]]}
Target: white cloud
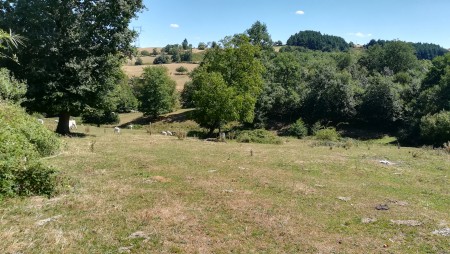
{"points": [[300, 12], [361, 35], [174, 26]]}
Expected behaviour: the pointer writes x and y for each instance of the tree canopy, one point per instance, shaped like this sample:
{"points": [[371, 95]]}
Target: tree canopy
{"points": [[73, 53], [317, 41], [237, 73]]}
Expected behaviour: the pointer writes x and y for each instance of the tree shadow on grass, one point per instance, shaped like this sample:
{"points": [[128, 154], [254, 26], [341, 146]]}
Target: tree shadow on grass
{"points": [[169, 118]]}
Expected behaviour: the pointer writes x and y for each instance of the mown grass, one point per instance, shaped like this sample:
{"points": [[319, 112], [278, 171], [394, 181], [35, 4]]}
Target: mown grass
{"points": [[193, 196]]}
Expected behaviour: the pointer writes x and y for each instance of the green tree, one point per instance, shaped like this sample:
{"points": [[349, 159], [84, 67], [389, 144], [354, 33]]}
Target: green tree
{"points": [[381, 104], [156, 92], [74, 51], [259, 35], [215, 102], [155, 52], [331, 96], [185, 44], [241, 73], [202, 46], [161, 59], [398, 56]]}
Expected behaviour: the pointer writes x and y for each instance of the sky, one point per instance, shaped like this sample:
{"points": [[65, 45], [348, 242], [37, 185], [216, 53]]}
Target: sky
{"points": [[358, 21]]}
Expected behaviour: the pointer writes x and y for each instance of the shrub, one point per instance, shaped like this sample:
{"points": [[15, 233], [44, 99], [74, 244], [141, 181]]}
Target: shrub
{"points": [[329, 134], [258, 136], [11, 89], [23, 141], [145, 53], [435, 129], [298, 129], [162, 59], [181, 69], [139, 61]]}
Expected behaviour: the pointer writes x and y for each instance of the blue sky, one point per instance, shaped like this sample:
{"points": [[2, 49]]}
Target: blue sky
{"points": [[171, 21]]}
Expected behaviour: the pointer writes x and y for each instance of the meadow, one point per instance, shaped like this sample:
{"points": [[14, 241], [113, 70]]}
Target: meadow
{"points": [[142, 193]]}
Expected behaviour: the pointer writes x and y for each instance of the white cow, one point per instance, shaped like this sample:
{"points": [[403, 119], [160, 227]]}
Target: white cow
{"points": [[72, 124], [117, 130], [40, 121]]}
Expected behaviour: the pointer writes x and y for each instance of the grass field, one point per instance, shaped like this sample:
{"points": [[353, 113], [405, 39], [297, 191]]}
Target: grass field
{"points": [[141, 193]]}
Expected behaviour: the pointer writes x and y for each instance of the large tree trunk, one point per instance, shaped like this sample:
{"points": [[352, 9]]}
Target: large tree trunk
{"points": [[63, 124]]}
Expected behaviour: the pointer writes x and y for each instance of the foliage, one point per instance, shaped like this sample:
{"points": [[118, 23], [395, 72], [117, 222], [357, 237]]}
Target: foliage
{"points": [[427, 51], [74, 51], [186, 56], [298, 129], [122, 97], [327, 134], [23, 141], [229, 77], [258, 136], [171, 48], [331, 96], [139, 61], [161, 59], [8, 43], [435, 91], [181, 69], [260, 36], [99, 116], [11, 89], [215, 103], [185, 44], [435, 129], [284, 89], [156, 92], [381, 104], [187, 94], [155, 52], [398, 56], [145, 53], [316, 41], [176, 57], [202, 46]]}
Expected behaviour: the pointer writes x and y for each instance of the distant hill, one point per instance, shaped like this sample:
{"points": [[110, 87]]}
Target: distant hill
{"points": [[317, 41], [423, 50]]}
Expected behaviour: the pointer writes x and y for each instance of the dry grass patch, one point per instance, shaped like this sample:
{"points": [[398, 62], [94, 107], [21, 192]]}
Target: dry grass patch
{"points": [[191, 196], [136, 71]]}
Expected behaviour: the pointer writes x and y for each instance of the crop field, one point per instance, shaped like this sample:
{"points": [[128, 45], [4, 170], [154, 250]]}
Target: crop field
{"points": [[142, 193]]}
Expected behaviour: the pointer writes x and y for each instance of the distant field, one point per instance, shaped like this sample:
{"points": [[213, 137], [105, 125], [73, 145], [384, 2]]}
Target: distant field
{"points": [[141, 193], [136, 70]]}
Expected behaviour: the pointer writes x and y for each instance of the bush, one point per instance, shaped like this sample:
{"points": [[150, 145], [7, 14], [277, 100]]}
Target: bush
{"points": [[139, 61], [23, 141], [145, 53], [435, 129], [11, 89], [181, 69], [298, 129], [162, 59], [329, 134], [258, 136]]}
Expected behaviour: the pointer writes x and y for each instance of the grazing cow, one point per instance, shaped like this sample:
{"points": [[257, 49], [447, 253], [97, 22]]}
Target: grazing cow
{"points": [[40, 121], [164, 133], [117, 130], [169, 133], [72, 124], [130, 126]]}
